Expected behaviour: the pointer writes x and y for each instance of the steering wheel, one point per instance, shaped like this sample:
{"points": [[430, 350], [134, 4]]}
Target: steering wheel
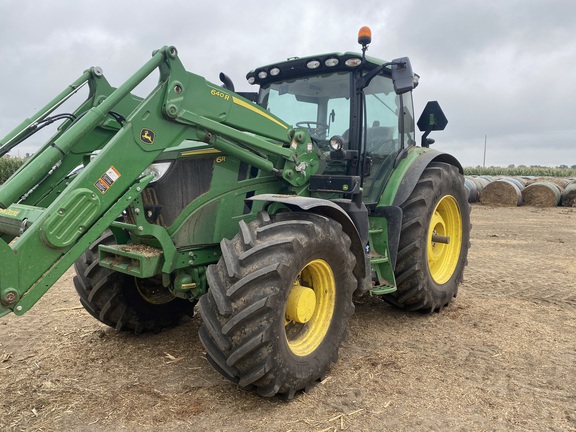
{"points": [[317, 130]]}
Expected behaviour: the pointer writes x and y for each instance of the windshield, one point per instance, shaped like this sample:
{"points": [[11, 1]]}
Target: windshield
{"points": [[319, 103], [322, 104]]}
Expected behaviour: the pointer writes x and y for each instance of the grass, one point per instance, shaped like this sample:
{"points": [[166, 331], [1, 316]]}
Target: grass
{"points": [[8, 165], [536, 171]]}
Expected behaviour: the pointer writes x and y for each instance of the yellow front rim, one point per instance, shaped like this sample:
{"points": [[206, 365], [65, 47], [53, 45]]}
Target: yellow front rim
{"points": [[310, 307], [446, 221]]}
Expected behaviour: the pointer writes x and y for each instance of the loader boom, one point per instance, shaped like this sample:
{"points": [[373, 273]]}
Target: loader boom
{"points": [[48, 220]]}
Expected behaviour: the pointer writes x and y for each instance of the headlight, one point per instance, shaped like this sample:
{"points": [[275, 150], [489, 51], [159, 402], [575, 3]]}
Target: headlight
{"points": [[332, 61], [353, 62], [313, 64], [158, 170], [336, 142]]}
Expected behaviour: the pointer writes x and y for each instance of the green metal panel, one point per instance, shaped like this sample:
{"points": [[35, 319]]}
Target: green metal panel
{"points": [[17, 218], [132, 260], [380, 256], [78, 210], [399, 174]]}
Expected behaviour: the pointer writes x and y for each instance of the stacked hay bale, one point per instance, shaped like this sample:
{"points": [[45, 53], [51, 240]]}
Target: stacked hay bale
{"points": [[504, 192], [501, 191], [542, 193], [475, 185], [472, 188], [569, 195]]}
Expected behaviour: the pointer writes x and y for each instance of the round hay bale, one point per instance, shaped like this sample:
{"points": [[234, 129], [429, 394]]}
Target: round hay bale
{"points": [[528, 180], [488, 178], [542, 194], [481, 183], [517, 181], [472, 188], [501, 193], [569, 195], [558, 181]]}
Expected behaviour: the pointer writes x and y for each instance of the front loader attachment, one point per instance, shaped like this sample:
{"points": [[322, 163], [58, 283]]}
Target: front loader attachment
{"points": [[43, 233], [78, 184], [47, 219]]}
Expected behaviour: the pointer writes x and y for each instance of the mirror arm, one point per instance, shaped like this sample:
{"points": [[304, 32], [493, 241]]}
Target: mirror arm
{"points": [[427, 142], [365, 81], [424, 142]]}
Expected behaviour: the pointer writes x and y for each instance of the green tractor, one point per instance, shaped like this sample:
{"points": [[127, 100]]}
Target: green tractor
{"points": [[271, 209]]}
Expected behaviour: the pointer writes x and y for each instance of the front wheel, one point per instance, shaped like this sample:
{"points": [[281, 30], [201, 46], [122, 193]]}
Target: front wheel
{"points": [[434, 240], [279, 302], [125, 302]]}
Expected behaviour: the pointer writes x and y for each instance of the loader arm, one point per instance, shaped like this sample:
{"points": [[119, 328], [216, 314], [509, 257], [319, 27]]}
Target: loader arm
{"points": [[48, 220]]}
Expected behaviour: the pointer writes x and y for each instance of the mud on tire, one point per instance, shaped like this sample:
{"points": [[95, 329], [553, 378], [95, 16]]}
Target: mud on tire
{"points": [[257, 330]]}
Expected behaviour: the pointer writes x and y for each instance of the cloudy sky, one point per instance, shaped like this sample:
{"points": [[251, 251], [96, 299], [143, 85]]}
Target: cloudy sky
{"points": [[503, 71]]}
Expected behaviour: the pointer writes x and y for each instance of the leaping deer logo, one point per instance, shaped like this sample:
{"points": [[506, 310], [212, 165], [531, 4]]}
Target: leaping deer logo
{"points": [[147, 136]]}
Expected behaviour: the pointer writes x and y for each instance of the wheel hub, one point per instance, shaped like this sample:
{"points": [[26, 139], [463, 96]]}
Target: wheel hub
{"points": [[301, 304], [153, 291]]}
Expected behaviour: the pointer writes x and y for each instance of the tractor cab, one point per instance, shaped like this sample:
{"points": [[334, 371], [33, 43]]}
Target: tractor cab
{"points": [[357, 109]]}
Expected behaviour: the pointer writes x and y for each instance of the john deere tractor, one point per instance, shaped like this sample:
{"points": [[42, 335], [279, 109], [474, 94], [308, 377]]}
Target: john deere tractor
{"points": [[271, 209]]}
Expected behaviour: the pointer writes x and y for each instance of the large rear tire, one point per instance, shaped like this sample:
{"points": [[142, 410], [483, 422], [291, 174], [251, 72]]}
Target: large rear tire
{"points": [[279, 302], [122, 301], [428, 270]]}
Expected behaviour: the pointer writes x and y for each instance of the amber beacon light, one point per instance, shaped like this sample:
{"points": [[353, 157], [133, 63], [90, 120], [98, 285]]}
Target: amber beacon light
{"points": [[364, 36]]}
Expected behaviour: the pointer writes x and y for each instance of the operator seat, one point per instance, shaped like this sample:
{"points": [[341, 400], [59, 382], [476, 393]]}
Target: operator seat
{"points": [[379, 139]]}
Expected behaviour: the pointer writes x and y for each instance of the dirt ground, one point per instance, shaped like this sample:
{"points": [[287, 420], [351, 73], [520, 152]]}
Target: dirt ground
{"points": [[502, 356]]}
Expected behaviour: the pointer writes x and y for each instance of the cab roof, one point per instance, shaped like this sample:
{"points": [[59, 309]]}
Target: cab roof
{"points": [[312, 65]]}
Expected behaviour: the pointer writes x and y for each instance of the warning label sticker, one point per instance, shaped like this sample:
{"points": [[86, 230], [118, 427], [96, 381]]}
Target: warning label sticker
{"points": [[107, 179]]}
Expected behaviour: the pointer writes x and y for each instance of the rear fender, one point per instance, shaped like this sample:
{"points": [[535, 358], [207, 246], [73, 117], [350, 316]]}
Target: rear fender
{"points": [[415, 170], [331, 210], [402, 183]]}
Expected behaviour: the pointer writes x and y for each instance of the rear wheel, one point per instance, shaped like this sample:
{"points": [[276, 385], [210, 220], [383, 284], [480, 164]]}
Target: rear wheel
{"points": [[279, 302], [434, 241], [122, 301]]}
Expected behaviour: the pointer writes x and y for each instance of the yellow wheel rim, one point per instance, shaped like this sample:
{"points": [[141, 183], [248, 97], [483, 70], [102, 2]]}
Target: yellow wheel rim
{"points": [[310, 307], [444, 239]]}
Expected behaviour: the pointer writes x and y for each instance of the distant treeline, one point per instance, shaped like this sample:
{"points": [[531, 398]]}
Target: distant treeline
{"points": [[8, 165], [523, 171]]}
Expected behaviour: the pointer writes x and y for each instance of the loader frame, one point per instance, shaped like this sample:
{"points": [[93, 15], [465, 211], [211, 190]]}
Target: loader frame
{"points": [[48, 218]]}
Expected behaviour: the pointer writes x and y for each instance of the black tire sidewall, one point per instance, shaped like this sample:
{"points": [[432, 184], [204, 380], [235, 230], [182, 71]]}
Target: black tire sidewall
{"points": [[243, 313], [417, 290], [445, 189], [326, 352]]}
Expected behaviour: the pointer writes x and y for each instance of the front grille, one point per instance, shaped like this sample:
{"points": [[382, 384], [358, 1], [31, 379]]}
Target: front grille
{"points": [[185, 181]]}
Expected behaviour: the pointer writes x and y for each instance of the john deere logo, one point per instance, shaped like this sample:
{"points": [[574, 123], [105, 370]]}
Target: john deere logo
{"points": [[147, 136]]}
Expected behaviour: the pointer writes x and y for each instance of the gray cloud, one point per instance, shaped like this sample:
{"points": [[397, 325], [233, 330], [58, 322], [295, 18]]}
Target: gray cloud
{"points": [[500, 69]]}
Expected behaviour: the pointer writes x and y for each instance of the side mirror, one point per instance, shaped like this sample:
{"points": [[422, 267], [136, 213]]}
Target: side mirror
{"points": [[432, 119], [402, 75]]}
